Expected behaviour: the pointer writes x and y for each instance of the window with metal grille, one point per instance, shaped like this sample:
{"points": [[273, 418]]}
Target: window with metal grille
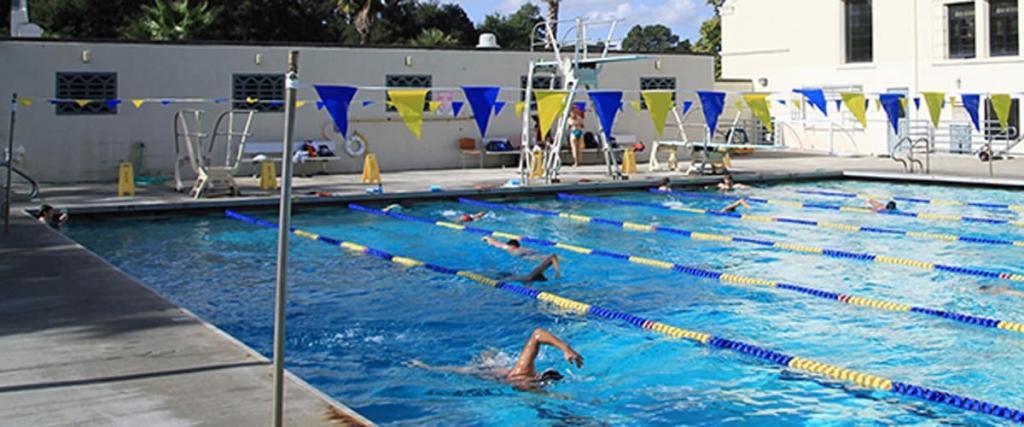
{"points": [[261, 92], [992, 126], [657, 83], [1002, 22], [409, 80], [961, 30], [539, 82], [96, 87], [859, 37]]}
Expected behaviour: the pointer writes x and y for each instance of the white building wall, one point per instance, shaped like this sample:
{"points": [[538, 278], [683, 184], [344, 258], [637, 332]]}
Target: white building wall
{"points": [[89, 147], [792, 44]]}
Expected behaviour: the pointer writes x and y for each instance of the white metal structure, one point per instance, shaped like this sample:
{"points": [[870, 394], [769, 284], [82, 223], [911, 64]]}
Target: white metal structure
{"points": [[21, 26], [187, 133], [575, 68]]}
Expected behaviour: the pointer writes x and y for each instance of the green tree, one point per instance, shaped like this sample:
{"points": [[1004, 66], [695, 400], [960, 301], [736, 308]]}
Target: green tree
{"points": [[5, 29], [451, 19], [513, 31], [362, 14], [87, 19], [710, 41], [433, 37], [277, 21], [172, 20], [684, 46], [650, 38]]}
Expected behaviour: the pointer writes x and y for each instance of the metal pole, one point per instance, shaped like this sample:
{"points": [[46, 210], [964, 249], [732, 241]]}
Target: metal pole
{"points": [[10, 165], [283, 231]]}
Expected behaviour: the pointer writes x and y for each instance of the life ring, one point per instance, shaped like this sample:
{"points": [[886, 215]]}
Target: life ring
{"points": [[355, 145]]}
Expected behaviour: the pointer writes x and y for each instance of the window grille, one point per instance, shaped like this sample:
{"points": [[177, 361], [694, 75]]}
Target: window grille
{"points": [[267, 88], [657, 83], [86, 86], [859, 37]]}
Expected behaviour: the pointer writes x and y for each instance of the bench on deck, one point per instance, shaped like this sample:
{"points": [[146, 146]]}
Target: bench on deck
{"points": [[272, 150], [472, 147]]}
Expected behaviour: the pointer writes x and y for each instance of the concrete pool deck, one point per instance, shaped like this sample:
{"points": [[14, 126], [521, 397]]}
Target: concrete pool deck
{"points": [[84, 343]]}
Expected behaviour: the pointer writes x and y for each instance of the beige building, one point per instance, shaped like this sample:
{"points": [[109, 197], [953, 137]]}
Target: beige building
{"points": [[909, 46]]}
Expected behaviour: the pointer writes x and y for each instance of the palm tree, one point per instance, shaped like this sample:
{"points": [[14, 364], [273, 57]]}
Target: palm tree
{"points": [[553, 16], [172, 20], [433, 37], [363, 13]]}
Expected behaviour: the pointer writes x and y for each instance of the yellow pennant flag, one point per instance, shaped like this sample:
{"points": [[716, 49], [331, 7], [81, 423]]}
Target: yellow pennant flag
{"points": [[1001, 102], [82, 102], [635, 105], [299, 104], [550, 104], [799, 104], [855, 103], [434, 105], [250, 100], [659, 102], [27, 102], [878, 104], [409, 103], [758, 103], [934, 101], [520, 106], [138, 102], [903, 104]]}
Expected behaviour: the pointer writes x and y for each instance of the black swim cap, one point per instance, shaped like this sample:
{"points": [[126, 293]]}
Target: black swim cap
{"points": [[551, 375]]}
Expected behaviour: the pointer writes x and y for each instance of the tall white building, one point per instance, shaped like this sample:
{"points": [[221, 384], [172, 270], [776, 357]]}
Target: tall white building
{"points": [[911, 46]]}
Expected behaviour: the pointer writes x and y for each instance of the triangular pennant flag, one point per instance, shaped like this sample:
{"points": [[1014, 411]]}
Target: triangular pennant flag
{"points": [[758, 103], [82, 102], [636, 106], [971, 104], [687, 105], [456, 108], [550, 104], [300, 104], [878, 104], [498, 106], [712, 103], [220, 100], [250, 100], [815, 97], [481, 100], [606, 105], [275, 103], [857, 104], [336, 99], [409, 103], [55, 101], [168, 101], [622, 106], [781, 101], [799, 104], [580, 105], [27, 102], [138, 102], [659, 102], [434, 106], [892, 102], [917, 103], [1001, 103], [112, 103], [367, 103], [934, 101], [903, 104]]}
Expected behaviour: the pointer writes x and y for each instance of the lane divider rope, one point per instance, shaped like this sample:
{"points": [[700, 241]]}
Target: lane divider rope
{"points": [[693, 235], [915, 200], [822, 369], [928, 216], [850, 228], [724, 278]]}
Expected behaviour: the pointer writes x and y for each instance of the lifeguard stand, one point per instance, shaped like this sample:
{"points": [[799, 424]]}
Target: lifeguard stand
{"points": [[572, 67]]}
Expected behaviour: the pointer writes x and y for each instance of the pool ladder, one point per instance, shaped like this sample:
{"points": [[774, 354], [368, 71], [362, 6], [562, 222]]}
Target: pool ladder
{"points": [[912, 146]]}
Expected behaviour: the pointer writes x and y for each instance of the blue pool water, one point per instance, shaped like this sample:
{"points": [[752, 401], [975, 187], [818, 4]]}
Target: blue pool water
{"points": [[354, 321]]}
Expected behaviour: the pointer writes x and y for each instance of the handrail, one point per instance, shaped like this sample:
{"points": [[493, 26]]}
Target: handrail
{"points": [[35, 185]]}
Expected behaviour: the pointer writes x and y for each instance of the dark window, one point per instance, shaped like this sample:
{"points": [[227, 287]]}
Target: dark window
{"points": [[858, 31], [96, 87], [961, 30], [992, 126], [539, 82], [657, 83], [266, 89], [1002, 18], [409, 80]]}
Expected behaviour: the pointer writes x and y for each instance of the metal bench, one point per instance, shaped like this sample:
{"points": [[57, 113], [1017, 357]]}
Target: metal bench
{"points": [[272, 152]]}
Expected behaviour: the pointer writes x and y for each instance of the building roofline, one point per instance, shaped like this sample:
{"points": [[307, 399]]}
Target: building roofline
{"points": [[297, 44]]}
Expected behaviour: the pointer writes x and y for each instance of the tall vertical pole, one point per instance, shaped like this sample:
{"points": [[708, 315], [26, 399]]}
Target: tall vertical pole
{"points": [[283, 231], [9, 158]]}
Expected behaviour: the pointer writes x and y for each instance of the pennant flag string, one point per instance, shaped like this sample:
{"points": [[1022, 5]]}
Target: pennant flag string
{"points": [[336, 100], [606, 105], [659, 102], [712, 103], [481, 100]]}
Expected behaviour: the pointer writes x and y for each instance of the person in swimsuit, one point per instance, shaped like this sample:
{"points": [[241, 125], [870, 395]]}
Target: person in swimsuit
{"points": [[877, 206], [467, 218], [728, 184], [576, 135], [665, 185], [52, 217], [515, 248], [735, 205], [523, 375], [1002, 290]]}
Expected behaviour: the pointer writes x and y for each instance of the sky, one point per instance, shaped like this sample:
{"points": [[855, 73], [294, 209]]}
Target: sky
{"points": [[682, 16]]}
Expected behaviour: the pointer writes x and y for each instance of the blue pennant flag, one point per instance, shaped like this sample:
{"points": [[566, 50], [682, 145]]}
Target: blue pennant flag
{"points": [[606, 105], [367, 102], [319, 105], [687, 105], [971, 103], [712, 103], [815, 97], [481, 100], [917, 103], [276, 103], [781, 101], [839, 104], [581, 105], [166, 101], [111, 103], [498, 106], [893, 104], [336, 100], [622, 107], [456, 108], [220, 100]]}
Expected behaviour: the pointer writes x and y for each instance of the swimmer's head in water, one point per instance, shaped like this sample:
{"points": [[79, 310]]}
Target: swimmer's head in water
{"points": [[550, 375], [891, 206], [665, 181], [514, 243]]}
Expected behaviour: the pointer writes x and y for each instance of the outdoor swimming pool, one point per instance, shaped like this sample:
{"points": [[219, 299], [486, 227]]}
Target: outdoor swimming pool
{"points": [[355, 320]]}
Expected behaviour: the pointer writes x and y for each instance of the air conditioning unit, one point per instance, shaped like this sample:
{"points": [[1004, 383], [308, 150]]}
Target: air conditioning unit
{"points": [[488, 41]]}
